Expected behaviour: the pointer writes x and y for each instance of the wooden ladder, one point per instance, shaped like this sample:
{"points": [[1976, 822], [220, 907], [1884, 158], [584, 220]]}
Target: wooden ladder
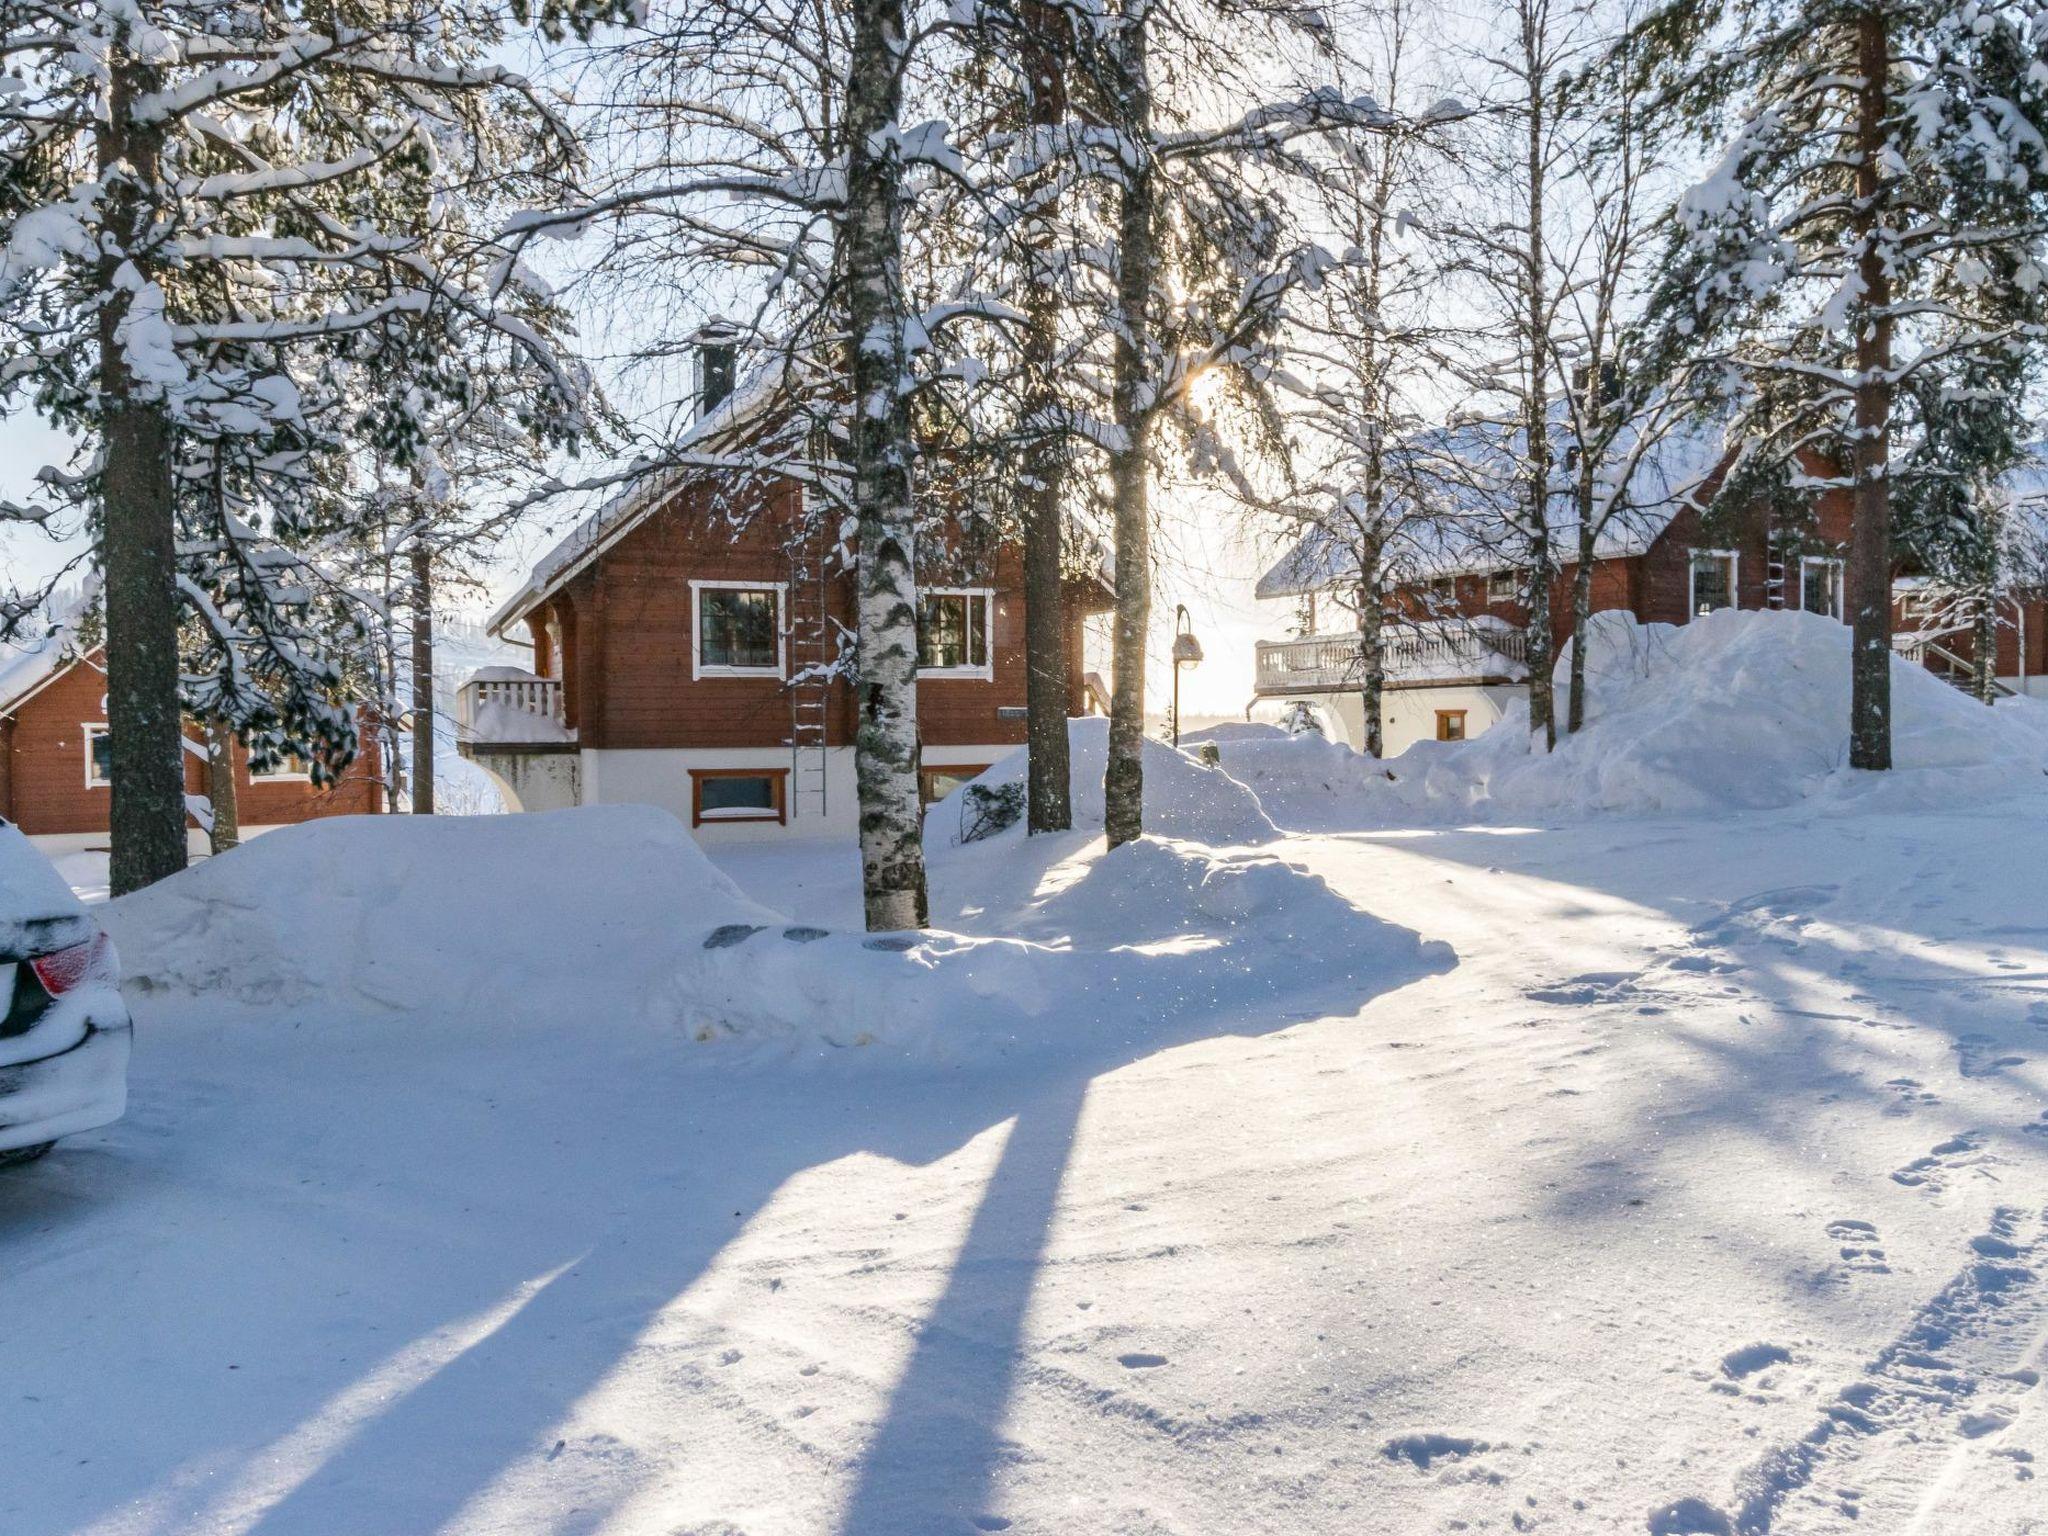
{"points": [[812, 652]]}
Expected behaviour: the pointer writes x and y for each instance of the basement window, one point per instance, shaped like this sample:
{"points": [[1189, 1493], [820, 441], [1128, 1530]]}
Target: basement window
{"points": [[1450, 725], [736, 794]]}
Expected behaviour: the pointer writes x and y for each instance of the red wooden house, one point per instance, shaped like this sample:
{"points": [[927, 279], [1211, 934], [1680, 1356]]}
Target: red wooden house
{"points": [[688, 648], [53, 757], [1455, 653]]}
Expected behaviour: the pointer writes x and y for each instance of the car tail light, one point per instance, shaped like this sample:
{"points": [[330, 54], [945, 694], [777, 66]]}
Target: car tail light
{"points": [[80, 965]]}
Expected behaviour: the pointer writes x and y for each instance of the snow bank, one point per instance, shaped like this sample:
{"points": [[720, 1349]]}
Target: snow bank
{"points": [[1183, 797], [563, 914], [1734, 711], [611, 918], [1304, 781]]}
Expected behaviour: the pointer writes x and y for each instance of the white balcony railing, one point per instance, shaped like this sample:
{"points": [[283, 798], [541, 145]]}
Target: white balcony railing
{"points": [[1414, 653], [500, 707]]}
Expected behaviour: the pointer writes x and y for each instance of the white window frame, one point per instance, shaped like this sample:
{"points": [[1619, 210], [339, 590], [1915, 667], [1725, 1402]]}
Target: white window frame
{"points": [[697, 667], [1839, 587], [1692, 572], [93, 730], [284, 776], [1514, 581], [987, 671]]}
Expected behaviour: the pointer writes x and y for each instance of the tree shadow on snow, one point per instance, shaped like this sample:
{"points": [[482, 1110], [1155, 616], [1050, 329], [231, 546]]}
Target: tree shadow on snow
{"points": [[419, 1310]]}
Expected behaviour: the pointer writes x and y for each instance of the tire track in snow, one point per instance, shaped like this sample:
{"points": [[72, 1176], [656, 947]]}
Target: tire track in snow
{"points": [[1893, 1440]]}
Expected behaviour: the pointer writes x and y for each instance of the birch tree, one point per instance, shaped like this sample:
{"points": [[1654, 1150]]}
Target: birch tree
{"points": [[1518, 155], [1362, 341], [1200, 267]]}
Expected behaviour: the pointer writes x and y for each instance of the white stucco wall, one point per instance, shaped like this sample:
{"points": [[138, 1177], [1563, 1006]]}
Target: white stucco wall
{"points": [[531, 781], [661, 776], [1407, 715]]}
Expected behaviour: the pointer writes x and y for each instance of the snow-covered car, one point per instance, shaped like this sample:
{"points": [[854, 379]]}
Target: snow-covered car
{"points": [[64, 1030]]}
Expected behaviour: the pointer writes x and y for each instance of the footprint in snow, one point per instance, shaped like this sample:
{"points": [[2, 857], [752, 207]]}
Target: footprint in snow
{"points": [[1593, 987], [1910, 1093], [1690, 1517], [1859, 1250], [1943, 1160], [1427, 1447], [1140, 1362], [1980, 1056], [1751, 1358]]}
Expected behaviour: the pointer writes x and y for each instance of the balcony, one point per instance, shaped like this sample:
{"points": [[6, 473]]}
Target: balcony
{"points": [[1415, 654], [502, 706]]}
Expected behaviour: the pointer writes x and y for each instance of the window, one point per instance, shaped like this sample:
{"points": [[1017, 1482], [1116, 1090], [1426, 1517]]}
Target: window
{"points": [[1450, 725], [937, 783], [1713, 581], [953, 630], [99, 762], [289, 766], [1443, 589], [736, 794], [738, 629], [1504, 587], [1820, 586]]}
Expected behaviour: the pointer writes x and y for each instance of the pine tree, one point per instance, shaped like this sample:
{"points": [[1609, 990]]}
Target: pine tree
{"points": [[215, 198], [1868, 244]]}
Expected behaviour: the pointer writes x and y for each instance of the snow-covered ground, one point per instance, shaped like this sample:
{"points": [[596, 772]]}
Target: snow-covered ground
{"points": [[1630, 1175]]}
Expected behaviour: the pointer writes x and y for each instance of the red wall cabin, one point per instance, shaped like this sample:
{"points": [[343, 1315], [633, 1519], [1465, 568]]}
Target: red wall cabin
{"points": [[44, 786]]}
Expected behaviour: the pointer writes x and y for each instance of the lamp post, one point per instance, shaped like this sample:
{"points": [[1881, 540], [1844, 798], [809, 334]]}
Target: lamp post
{"points": [[1187, 652]]}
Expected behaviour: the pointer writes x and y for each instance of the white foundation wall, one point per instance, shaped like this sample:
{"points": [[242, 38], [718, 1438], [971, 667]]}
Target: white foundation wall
{"points": [[531, 781], [1407, 715], [661, 777]]}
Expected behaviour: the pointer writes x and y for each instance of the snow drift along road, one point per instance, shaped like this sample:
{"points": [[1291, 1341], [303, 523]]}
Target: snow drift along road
{"points": [[1734, 711], [611, 917]]}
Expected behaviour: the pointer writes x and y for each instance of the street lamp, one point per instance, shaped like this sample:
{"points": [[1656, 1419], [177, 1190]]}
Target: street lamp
{"points": [[1187, 652]]}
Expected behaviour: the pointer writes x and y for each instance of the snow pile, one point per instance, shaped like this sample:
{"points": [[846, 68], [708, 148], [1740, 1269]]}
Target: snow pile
{"points": [[1736, 710], [1154, 942], [611, 917], [565, 915], [1304, 781], [1183, 797]]}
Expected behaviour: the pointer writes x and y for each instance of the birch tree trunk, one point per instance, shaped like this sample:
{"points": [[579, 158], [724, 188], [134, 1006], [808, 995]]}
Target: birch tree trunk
{"points": [[1123, 781], [871, 250], [1582, 600], [146, 751], [1372, 648], [226, 831], [422, 679], [1870, 563], [1542, 562], [1984, 647], [1049, 794]]}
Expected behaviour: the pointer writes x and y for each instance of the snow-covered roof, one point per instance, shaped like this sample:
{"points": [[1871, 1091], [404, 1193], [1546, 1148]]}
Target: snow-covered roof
{"points": [[27, 665], [1464, 477], [642, 495]]}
